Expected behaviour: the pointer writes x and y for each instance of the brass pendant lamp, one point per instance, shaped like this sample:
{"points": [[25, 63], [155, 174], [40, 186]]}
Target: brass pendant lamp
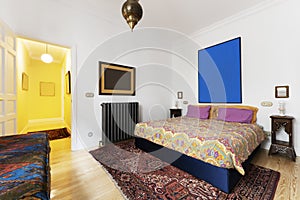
{"points": [[132, 12]]}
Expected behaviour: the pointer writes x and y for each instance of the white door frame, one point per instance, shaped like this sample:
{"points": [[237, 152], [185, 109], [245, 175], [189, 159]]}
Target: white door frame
{"points": [[75, 138], [8, 87]]}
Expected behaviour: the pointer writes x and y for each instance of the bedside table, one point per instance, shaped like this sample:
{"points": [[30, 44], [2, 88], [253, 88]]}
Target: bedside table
{"points": [[279, 146], [175, 112]]}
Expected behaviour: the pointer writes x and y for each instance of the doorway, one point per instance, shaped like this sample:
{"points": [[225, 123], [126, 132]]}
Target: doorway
{"points": [[43, 89]]}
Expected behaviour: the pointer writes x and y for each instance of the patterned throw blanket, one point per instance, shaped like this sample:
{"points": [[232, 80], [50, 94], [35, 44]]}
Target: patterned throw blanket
{"points": [[24, 167], [223, 144]]}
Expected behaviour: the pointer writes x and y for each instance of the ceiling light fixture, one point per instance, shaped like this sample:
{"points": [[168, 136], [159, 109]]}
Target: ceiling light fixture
{"points": [[46, 58], [132, 11]]}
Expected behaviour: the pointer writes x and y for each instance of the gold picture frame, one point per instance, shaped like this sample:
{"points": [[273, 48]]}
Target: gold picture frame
{"points": [[116, 79], [47, 89], [25, 81], [68, 82]]}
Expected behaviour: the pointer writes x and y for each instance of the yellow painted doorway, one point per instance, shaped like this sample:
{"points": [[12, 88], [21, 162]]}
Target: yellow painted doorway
{"points": [[43, 89]]}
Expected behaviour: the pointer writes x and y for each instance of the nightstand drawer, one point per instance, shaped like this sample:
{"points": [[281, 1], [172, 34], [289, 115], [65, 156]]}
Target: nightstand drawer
{"points": [[175, 112]]}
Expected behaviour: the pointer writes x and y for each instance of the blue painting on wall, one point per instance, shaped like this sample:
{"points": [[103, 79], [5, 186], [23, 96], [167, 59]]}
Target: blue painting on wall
{"points": [[219, 73]]}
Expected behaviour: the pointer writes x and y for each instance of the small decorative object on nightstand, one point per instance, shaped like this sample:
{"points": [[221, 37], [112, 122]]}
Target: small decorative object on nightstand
{"points": [[279, 146], [175, 112]]}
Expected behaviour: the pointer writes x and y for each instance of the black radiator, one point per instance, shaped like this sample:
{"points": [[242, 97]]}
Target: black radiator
{"points": [[118, 121]]}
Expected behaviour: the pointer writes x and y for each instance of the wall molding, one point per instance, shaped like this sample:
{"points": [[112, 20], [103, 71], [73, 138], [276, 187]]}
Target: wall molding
{"points": [[68, 128], [297, 151], [47, 123], [45, 120], [243, 14]]}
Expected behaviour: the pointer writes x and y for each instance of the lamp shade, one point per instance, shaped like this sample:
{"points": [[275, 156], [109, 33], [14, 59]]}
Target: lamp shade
{"points": [[47, 58], [132, 12]]}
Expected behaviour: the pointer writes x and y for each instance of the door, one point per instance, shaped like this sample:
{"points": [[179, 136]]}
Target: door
{"points": [[8, 97]]}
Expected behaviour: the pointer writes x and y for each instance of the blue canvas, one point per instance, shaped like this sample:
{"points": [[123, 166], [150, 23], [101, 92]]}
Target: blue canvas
{"points": [[219, 73]]}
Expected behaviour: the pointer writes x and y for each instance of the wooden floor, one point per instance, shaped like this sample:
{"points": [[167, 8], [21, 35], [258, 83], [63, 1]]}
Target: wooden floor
{"points": [[76, 175]]}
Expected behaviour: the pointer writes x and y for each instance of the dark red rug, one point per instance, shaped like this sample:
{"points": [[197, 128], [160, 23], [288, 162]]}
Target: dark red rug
{"points": [[142, 176], [55, 134]]}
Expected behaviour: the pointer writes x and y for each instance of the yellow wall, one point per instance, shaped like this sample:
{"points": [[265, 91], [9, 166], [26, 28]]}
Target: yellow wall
{"points": [[23, 63], [44, 107], [36, 112], [67, 97]]}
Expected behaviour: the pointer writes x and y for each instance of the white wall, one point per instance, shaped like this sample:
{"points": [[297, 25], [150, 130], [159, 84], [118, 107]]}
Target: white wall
{"points": [[152, 52], [270, 57]]}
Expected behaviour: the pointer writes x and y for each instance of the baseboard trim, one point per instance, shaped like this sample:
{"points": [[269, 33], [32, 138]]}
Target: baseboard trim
{"points": [[45, 124], [45, 120], [68, 128], [297, 152], [24, 130]]}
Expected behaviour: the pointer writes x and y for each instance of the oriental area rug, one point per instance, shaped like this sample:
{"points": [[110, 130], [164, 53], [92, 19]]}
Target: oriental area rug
{"points": [[140, 175], [55, 134]]}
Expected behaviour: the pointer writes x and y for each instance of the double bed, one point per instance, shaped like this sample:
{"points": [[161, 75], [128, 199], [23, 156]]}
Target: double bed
{"points": [[213, 143]]}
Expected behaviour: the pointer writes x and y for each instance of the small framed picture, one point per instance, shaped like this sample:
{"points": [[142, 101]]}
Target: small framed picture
{"points": [[25, 82], [179, 95], [47, 89], [282, 91], [68, 82]]}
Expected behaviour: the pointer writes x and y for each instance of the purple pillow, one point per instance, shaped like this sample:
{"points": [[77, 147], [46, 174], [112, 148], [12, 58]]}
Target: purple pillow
{"points": [[235, 115], [198, 112]]}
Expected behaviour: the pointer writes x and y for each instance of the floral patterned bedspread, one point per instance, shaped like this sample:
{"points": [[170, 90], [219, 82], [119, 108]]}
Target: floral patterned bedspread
{"points": [[220, 143]]}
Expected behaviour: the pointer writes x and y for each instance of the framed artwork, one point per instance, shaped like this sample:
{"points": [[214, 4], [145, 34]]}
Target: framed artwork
{"points": [[25, 81], [68, 82], [116, 79], [219, 73], [179, 95], [282, 91], [47, 89]]}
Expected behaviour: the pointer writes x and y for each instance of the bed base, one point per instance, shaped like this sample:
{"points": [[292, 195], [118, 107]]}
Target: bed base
{"points": [[222, 178]]}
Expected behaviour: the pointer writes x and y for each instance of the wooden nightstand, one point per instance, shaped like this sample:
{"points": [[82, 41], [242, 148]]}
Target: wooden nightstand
{"points": [[175, 112], [279, 146]]}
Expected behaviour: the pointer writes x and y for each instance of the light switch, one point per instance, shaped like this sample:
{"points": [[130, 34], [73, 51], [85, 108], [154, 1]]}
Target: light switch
{"points": [[89, 94], [185, 102], [266, 104]]}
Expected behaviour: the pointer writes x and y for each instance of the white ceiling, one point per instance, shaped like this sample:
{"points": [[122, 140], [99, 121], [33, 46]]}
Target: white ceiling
{"points": [[186, 16]]}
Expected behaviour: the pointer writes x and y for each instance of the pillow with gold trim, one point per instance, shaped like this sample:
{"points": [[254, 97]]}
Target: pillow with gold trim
{"points": [[215, 111]]}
